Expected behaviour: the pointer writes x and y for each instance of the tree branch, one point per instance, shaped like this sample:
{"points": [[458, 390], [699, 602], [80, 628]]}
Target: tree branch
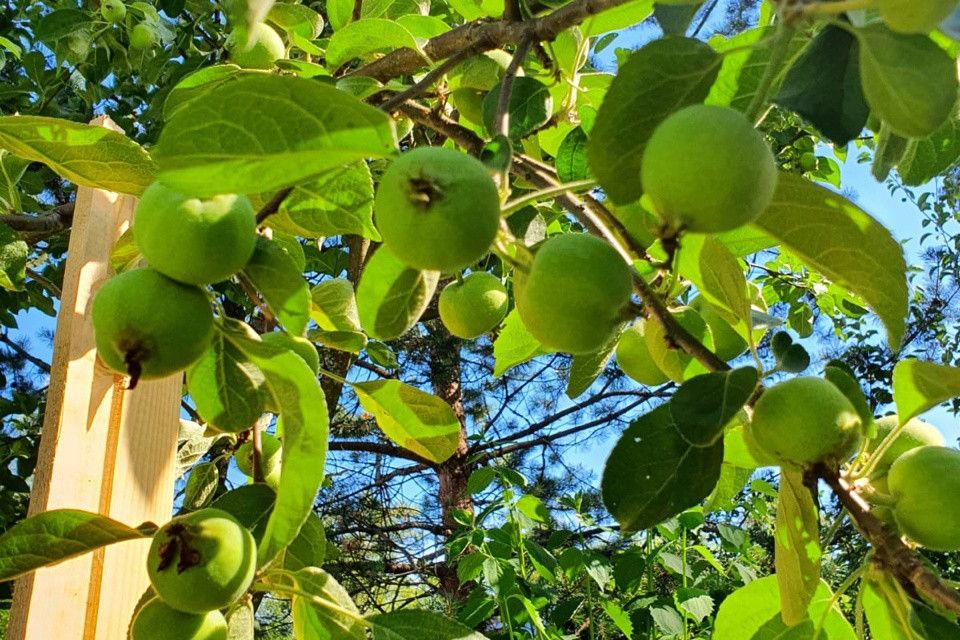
{"points": [[485, 36], [33, 228], [909, 570], [273, 205], [379, 448]]}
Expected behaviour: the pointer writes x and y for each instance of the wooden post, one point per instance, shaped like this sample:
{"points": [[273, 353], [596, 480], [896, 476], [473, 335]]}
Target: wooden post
{"points": [[103, 449]]}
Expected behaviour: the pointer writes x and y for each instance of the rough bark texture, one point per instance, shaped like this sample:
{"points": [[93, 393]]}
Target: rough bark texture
{"points": [[454, 472]]}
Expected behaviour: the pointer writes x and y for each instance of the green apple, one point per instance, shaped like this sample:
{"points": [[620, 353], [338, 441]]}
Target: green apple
{"points": [[925, 483], [194, 240], [470, 308], [806, 420], [437, 209], [156, 620], [261, 51], [707, 170], [202, 561], [149, 326], [574, 297]]}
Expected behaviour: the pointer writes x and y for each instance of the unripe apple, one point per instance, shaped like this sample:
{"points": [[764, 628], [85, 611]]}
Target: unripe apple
{"points": [[473, 307], [915, 16], [299, 345], [469, 102], [916, 433], [437, 209], [143, 37], [261, 51], [156, 620], [270, 460], [707, 170], [202, 561], [113, 10], [803, 421], [194, 240], [149, 326], [634, 357], [483, 71], [925, 483], [575, 293]]}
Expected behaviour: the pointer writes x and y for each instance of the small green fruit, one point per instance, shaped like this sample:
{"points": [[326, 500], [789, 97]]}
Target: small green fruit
{"points": [[676, 363], [915, 16], [808, 161], [483, 71], [143, 37], [916, 433], [149, 326], [269, 461], [202, 561], [156, 620], [707, 170], [634, 357], [113, 10], [925, 483], [300, 346], [261, 51], [573, 298], [192, 240], [470, 308], [437, 209], [803, 421]]}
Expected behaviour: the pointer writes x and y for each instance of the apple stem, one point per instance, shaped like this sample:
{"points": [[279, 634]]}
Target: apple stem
{"points": [[257, 443]]}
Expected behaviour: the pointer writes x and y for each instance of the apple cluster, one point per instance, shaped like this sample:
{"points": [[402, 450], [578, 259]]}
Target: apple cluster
{"points": [[153, 321]]}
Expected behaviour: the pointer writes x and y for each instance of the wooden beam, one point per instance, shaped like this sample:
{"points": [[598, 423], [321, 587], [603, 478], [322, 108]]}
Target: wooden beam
{"points": [[103, 449]]}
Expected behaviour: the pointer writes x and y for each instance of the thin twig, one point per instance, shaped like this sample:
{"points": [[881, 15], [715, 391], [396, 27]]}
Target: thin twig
{"points": [[20, 351], [909, 570], [357, 10], [45, 283], [427, 81], [502, 119], [273, 205]]}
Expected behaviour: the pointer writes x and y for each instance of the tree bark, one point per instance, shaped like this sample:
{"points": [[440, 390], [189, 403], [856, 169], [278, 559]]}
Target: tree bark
{"points": [[454, 472]]}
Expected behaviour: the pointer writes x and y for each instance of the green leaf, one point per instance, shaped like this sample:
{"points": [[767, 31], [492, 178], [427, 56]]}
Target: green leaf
{"points": [[835, 237], [61, 23], [752, 612], [909, 81], [717, 275], [86, 155], [417, 624], [262, 132], [742, 69], [13, 259], [918, 386], [201, 485], [533, 508], [197, 83], [654, 473], [313, 621], [226, 388], [309, 549], [703, 405], [731, 482], [474, 9], [334, 309], [480, 479], [54, 536], [303, 410], [514, 345], [797, 547], [391, 296], [542, 560], [366, 36], [824, 87], [928, 158], [656, 81], [296, 18], [250, 504], [584, 369], [241, 622], [619, 617], [12, 169], [625, 15], [571, 162], [276, 276], [530, 107], [339, 202], [889, 611], [677, 364], [697, 604], [415, 420]]}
